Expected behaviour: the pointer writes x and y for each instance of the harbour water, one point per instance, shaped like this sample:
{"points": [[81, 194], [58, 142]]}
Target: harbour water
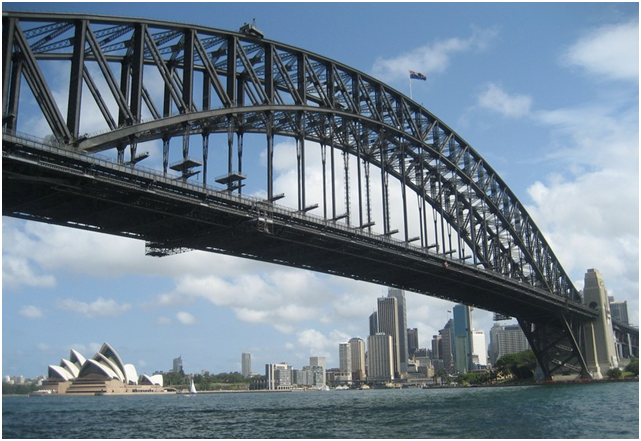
{"points": [[595, 410]]}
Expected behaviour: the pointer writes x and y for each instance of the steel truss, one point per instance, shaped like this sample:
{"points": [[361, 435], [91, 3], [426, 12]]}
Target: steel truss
{"points": [[220, 82]]}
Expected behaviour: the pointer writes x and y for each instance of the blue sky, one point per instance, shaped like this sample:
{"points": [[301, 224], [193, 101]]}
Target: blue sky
{"points": [[547, 93]]}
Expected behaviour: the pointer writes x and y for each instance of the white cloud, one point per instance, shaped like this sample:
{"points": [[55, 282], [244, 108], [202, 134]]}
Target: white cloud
{"points": [[433, 57], [590, 214], [315, 343], [31, 311], [101, 307], [496, 99], [17, 271], [85, 350], [186, 318], [611, 52], [163, 321]]}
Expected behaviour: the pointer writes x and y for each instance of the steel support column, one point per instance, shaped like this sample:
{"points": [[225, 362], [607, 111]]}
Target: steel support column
{"points": [[557, 342]]}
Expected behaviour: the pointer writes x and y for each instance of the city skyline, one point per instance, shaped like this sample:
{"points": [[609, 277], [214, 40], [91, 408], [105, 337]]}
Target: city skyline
{"points": [[552, 112]]}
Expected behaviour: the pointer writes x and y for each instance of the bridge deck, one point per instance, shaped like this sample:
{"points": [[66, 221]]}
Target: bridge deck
{"points": [[59, 186]]}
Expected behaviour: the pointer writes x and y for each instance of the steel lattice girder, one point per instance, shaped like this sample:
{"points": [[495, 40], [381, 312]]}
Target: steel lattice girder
{"points": [[256, 85]]}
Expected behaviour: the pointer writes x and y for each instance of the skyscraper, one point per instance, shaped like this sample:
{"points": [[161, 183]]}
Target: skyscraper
{"points": [[437, 347], [447, 336], [412, 342], [357, 348], [479, 349], [399, 295], [463, 338], [246, 365], [373, 323], [178, 365], [345, 358], [379, 349], [388, 324], [318, 362]]}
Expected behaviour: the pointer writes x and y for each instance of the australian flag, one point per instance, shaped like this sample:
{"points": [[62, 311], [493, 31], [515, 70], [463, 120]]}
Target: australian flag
{"points": [[417, 76]]}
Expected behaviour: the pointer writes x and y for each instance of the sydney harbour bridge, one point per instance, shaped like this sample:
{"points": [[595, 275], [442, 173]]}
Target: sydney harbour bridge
{"points": [[403, 200]]}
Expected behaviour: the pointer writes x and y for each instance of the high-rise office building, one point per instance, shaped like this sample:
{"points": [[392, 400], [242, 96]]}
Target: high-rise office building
{"points": [[318, 361], [380, 354], [401, 304], [447, 337], [388, 324], [345, 358], [357, 348], [463, 338], [437, 347], [373, 323], [504, 340], [479, 349], [319, 367], [178, 365], [246, 365], [412, 342], [619, 311]]}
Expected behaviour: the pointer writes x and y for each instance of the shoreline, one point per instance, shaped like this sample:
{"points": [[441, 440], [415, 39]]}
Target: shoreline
{"points": [[262, 391]]}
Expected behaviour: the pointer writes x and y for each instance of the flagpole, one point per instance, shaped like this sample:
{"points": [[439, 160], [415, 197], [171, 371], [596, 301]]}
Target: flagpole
{"points": [[411, 88]]}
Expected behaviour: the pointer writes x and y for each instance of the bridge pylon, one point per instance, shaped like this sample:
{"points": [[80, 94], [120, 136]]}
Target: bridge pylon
{"points": [[601, 354]]}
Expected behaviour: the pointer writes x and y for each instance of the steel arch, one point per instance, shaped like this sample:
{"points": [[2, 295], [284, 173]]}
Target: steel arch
{"points": [[264, 86]]}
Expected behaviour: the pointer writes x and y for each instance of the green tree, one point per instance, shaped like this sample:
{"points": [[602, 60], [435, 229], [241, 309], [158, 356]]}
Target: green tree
{"points": [[521, 364], [18, 389], [468, 378], [633, 366], [614, 373]]}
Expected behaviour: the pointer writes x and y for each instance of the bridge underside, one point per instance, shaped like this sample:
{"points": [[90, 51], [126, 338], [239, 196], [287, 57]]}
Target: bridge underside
{"points": [[76, 191]]}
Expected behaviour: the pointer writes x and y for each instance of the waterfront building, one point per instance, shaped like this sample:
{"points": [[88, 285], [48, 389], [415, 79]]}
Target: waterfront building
{"points": [[316, 376], [373, 323], [278, 376], [246, 365], [388, 324], [380, 354], [357, 349], [178, 365], [504, 340], [104, 373], [412, 342], [401, 306]]}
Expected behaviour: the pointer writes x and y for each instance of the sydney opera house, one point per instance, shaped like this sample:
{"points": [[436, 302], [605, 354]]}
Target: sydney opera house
{"points": [[105, 373]]}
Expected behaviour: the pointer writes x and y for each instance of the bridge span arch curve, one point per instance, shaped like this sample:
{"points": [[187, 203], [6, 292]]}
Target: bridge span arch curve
{"points": [[477, 244]]}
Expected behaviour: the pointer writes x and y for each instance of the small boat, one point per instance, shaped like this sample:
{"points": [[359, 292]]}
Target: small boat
{"points": [[40, 393], [191, 391]]}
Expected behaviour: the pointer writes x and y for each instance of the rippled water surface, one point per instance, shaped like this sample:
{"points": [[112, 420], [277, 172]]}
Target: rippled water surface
{"points": [[597, 410]]}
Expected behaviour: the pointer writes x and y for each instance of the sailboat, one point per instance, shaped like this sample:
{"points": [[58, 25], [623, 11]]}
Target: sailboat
{"points": [[190, 392]]}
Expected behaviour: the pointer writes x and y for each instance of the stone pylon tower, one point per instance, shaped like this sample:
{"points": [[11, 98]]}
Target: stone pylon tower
{"points": [[600, 348]]}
